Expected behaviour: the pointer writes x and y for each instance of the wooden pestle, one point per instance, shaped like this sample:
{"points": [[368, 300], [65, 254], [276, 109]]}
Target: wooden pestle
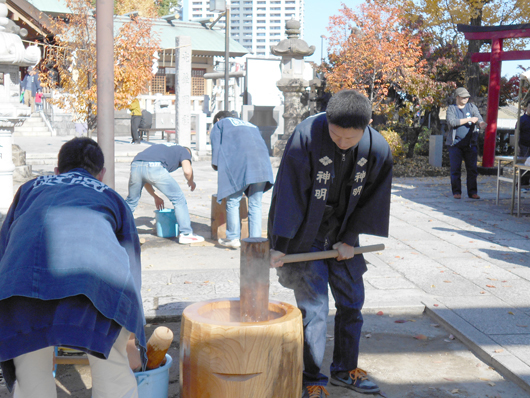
{"points": [[311, 256], [157, 346], [254, 274]]}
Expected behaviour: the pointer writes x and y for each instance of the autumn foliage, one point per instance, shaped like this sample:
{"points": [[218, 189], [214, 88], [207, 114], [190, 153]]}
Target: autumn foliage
{"points": [[370, 51], [71, 60], [442, 17], [378, 51]]}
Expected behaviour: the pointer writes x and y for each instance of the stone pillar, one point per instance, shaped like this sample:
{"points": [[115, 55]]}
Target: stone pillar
{"points": [[292, 84], [201, 136], [22, 170], [12, 112], [6, 167], [183, 90], [295, 110], [277, 114], [436, 144]]}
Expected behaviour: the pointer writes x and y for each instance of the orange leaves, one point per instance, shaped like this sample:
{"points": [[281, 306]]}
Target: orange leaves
{"points": [[376, 50], [371, 50], [74, 56]]}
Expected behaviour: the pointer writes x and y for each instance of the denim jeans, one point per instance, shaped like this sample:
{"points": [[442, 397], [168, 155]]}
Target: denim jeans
{"points": [[310, 284], [469, 156], [155, 174], [233, 223]]}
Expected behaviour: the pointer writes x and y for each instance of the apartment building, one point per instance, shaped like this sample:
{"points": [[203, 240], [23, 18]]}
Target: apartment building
{"points": [[255, 24]]}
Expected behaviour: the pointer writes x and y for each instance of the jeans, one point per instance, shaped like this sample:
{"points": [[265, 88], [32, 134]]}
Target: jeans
{"points": [[233, 223], [155, 174], [469, 156], [310, 283], [111, 378]]}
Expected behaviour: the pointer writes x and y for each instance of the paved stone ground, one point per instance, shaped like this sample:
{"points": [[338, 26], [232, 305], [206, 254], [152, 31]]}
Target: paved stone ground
{"points": [[464, 263], [402, 366]]}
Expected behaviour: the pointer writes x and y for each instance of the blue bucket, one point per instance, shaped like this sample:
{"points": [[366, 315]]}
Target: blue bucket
{"points": [[166, 223], [154, 383]]}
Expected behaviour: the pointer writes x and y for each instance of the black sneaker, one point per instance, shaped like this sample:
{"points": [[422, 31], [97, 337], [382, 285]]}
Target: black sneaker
{"points": [[356, 380], [314, 392]]}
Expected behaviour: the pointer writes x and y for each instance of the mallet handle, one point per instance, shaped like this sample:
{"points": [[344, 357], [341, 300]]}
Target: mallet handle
{"points": [[294, 258]]}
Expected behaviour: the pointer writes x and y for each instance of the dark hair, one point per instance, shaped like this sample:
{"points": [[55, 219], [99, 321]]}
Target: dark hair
{"points": [[221, 115], [81, 152], [349, 108]]}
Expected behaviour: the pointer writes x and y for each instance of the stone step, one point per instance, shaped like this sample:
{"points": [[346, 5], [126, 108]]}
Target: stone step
{"points": [[38, 162], [31, 133], [45, 134], [35, 128], [33, 120]]}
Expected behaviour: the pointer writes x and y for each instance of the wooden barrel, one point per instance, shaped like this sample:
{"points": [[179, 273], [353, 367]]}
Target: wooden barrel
{"points": [[223, 358]]}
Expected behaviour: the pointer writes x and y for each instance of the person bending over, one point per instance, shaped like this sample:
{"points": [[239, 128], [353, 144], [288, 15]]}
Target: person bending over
{"points": [[70, 276], [241, 158], [151, 168]]}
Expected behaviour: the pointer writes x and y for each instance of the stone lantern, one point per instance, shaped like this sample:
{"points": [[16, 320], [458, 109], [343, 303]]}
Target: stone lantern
{"points": [[292, 84], [12, 113]]}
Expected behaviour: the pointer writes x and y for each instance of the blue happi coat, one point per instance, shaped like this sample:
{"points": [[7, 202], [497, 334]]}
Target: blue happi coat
{"points": [[70, 235], [241, 156], [303, 180]]}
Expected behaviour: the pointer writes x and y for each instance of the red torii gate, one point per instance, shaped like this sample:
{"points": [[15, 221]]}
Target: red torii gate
{"points": [[496, 34]]}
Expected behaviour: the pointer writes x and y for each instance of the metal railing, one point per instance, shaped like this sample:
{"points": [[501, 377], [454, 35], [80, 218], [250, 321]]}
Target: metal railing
{"points": [[47, 112]]}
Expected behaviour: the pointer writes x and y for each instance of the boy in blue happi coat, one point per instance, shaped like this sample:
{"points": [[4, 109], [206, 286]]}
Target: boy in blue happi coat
{"points": [[241, 158], [70, 276], [333, 184]]}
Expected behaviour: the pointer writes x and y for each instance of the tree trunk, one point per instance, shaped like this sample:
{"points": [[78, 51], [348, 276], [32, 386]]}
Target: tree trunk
{"points": [[91, 122], [472, 68], [413, 135], [435, 126]]}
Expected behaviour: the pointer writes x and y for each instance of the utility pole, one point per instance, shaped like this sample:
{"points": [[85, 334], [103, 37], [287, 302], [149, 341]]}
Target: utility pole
{"points": [[227, 53], [105, 84], [322, 37]]}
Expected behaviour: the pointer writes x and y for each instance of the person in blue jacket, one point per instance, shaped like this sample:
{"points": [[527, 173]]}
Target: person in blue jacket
{"points": [[31, 86], [70, 276], [333, 184], [241, 158]]}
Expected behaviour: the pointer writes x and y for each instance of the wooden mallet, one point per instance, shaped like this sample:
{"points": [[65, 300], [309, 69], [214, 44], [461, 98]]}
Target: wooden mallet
{"points": [[254, 274]]}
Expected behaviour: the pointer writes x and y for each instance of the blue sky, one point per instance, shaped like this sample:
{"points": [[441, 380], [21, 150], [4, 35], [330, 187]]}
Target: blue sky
{"points": [[317, 13]]}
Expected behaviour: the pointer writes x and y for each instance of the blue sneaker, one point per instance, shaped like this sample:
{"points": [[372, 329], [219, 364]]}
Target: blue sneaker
{"points": [[356, 380], [314, 392]]}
